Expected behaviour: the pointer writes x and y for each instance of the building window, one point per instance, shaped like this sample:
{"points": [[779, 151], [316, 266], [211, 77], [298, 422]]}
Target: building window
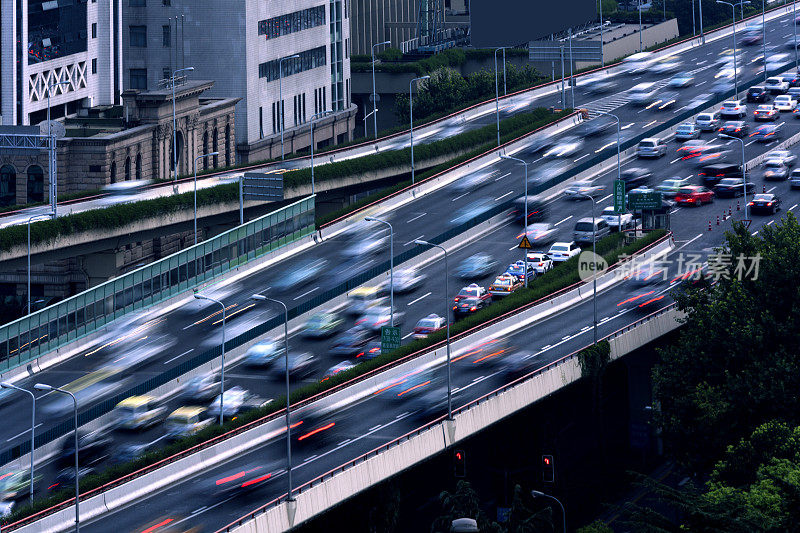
{"points": [[292, 22], [138, 3], [94, 30], [139, 36], [166, 36], [274, 120], [35, 184], [8, 185], [261, 121], [138, 78], [165, 75], [94, 65], [308, 60]]}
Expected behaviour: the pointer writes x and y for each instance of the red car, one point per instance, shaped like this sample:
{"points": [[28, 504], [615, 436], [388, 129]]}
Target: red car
{"points": [[473, 291], [695, 195]]}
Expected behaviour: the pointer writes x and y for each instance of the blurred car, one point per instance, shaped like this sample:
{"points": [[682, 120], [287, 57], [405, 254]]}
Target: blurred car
{"points": [[597, 84], [200, 388], [476, 266], [733, 187], [784, 156], [580, 189], [634, 177], [666, 65], [468, 306], [598, 126], [472, 181], [687, 131], [16, 484], [540, 262], [775, 170], [337, 368], [713, 173], [301, 364], [473, 290], [542, 173], [735, 128], [243, 478], [767, 133], [681, 80], [776, 85], [491, 351], [695, 195], [565, 147], [351, 341], [765, 203], [757, 94], [362, 298], [751, 38], [430, 324], [376, 317], [693, 149], [794, 179], [370, 351], [132, 451], [791, 78], [667, 100], [405, 280], [708, 121], [540, 142], [138, 412], [765, 112], [613, 219], [186, 421], [235, 401], [642, 94], [519, 363], [651, 147], [504, 285], [520, 269], [66, 476], [733, 108], [540, 233], [322, 325], [537, 210], [698, 100], [561, 251], [368, 245], [669, 188], [299, 273], [93, 448], [785, 102], [471, 210], [721, 87], [91, 387], [264, 352]]}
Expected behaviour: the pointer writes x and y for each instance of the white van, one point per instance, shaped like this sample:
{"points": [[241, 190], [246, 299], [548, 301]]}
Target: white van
{"points": [[587, 229]]}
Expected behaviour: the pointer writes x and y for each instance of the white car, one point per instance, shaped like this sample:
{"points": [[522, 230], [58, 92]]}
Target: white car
{"points": [[541, 232], [776, 85], [541, 262], [679, 81], [613, 219], [561, 251], [794, 179], [784, 156], [565, 147], [580, 189], [733, 108], [785, 102]]}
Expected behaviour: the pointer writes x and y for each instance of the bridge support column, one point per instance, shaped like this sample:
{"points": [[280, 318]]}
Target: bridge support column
{"points": [[100, 267]]}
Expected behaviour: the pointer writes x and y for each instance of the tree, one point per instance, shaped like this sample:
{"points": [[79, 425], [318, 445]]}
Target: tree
{"points": [[595, 527], [463, 503], [736, 357]]}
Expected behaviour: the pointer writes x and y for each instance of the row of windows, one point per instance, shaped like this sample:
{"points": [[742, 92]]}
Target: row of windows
{"points": [[292, 22], [309, 59]]}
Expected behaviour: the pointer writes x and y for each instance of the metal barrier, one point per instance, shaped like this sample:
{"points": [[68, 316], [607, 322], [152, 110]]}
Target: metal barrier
{"points": [[26, 338]]}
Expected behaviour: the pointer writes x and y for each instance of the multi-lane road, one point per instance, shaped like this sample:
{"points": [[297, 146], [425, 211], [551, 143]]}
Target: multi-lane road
{"points": [[168, 338]]}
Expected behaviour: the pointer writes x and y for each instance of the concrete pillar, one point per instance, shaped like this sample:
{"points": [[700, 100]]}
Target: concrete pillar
{"points": [[102, 266]]}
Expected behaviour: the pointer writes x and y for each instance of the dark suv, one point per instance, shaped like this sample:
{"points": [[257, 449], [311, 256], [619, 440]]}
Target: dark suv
{"points": [[92, 449], [713, 174], [757, 94], [537, 210]]}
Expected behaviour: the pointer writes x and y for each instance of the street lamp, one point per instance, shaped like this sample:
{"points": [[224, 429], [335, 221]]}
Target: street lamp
{"points": [[45, 387], [496, 89], [7, 385], [175, 124], [411, 116], [371, 113], [594, 264], [318, 115], [222, 370], [764, 35], [539, 494], [735, 75], [280, 93], [447, 320], [51, 156], [524, 251], [744, 171], [194, 166], [51, 215], [619, 166], [391, 265], [374, 103], [639, 8], [700, 14], [794, 32], [262, 298]]}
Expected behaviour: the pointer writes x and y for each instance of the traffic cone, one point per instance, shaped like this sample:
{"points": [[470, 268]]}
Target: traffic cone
{"points": [[730, 211], [717, 220], [709, 225], [738, 207]]}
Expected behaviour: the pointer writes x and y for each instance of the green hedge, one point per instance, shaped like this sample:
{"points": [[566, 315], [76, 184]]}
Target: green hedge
{"points": [[563, 275], [454, 57], [121, 215]]}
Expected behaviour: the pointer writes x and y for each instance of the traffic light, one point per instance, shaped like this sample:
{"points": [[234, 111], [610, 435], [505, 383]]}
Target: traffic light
{"points": [[548, 469], [460, 463]]}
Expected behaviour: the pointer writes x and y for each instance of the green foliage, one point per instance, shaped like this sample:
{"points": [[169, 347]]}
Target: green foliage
{"points": [[560, 277], [597, 526], [594, 359]]}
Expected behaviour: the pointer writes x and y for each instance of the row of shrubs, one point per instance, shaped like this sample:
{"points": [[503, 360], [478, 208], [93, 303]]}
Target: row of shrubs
{"points": [[391, 60], [562, 276]]}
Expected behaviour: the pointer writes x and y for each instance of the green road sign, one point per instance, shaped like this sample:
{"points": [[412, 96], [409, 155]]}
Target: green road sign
{"points": [[390, 338], [647, 200], [619, 196]]}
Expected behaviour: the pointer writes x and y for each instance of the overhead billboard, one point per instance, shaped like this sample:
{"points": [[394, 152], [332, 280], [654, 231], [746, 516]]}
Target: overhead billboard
{"points": [[515, 22]]}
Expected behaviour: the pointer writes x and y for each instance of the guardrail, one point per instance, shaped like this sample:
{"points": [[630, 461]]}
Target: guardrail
{"points": [[407, 436]]}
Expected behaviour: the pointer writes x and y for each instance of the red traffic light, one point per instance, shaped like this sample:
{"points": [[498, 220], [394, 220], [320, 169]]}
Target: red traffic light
{"points": [[459, 456], [546, 460]]}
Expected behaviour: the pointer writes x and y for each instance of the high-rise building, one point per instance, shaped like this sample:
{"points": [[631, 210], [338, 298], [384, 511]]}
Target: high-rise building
{"points": [[239, 45], [44, 42]]}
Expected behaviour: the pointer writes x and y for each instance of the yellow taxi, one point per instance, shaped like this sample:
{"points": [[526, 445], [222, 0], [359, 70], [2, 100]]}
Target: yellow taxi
{"points": [[139, 412], [362, 298], [504, 285], [186, 421]]}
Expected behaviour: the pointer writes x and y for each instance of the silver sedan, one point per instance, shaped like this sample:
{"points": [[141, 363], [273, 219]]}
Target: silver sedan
{"points": [[580, 189]]}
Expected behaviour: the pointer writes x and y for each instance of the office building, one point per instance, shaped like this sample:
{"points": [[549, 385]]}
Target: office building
{"points": [[239, 45]]}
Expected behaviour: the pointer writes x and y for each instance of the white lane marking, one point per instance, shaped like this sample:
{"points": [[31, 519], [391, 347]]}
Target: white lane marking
{"points": [[770, 190], [414, 239], [412, 302], [755, 233], [310, 458], [305, 293], [650, 123], [581, 157], [602, 148], [415, 218], [501, 197], [751, 142], [545, 347], [690, 176], [345, 441], [626, 126], [675, 160], [168, 361], [701, 83], [459, 196], [375, 428], [690, 241], [503, 176], [479, 378], [200, 509], [584, 328], [795, 205], [403, 414], [605, 318], [562, 220], [770, 222], [604, 198], [26, 432], [407, 336], [565, 338]]}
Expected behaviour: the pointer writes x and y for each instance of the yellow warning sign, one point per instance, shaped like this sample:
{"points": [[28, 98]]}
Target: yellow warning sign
{"points": [[525, 244]]}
